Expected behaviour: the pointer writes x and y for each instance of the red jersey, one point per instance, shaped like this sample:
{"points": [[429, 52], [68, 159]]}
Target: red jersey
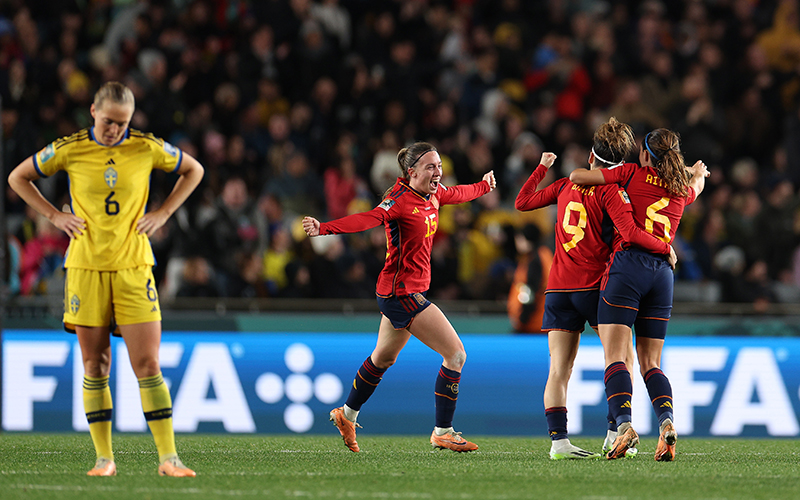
{"points": [[411, 219], [587, 220], [655, 209]]}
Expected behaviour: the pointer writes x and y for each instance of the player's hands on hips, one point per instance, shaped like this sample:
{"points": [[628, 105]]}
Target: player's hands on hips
{"points": [[548, 159], [489, 178], [672, 259], [699, 168], [151, 222], [311, 226], [69, 223]]}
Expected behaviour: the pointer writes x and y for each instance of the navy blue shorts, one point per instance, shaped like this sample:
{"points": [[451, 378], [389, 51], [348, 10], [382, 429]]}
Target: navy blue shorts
{"points": [[569, 311], [401, 309], [637, 292]]}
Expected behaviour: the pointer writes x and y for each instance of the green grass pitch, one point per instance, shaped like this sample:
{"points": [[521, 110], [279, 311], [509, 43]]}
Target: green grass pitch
{"points": [[48, 466]]}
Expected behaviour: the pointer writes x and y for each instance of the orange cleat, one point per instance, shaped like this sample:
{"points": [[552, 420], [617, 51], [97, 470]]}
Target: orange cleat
{"points": [[103, 467], [346, 428], [626, 439], [665, 451], [452, 440], [173, 467]]}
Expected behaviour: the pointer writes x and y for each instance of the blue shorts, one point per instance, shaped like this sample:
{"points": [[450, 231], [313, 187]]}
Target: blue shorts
{"points": [[401, 309], [569, 311], [637, 291]]}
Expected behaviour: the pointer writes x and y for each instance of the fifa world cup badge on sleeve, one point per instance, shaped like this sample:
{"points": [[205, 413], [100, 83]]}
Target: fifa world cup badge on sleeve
{"points": [[387, 204], [47, 153], [170, 149]]}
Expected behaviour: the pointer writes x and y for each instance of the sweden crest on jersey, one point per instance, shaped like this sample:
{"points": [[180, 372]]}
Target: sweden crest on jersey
{"points": [[74, 304], [110, 177]]}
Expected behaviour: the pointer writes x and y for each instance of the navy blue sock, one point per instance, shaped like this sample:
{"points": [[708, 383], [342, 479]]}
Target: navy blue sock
{"points": [[660, 391], [367, 379], [445, 395], [556, 422], [612, 425], [618, 391]]}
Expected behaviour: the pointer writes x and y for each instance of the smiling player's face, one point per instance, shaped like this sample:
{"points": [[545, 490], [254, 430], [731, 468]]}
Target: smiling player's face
{"points": [[111, 121], [427, 173]]}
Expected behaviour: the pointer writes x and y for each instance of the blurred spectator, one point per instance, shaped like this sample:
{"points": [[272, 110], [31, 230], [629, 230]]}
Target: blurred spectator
{"points": [[297, 186], [354, 284], [660, 88], [556, 70], [742, 221], [444, 269], [248, 282], [708, 240], [11, 274], [776, 231], [334, 19], [325, 274], [750, 131], [630, 108], [275, 259], [483, 78], [526, 296], [42, 257], [697, 120], [235, 228], [280, 146], [198, 279], [342, 185], [385, 169], [781, 41], [299, 284]]}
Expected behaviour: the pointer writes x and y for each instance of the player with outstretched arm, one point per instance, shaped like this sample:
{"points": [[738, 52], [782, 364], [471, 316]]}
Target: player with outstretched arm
{"points": [[410, 214]]}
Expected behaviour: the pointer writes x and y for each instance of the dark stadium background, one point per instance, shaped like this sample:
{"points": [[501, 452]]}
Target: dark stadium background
{"points": [[299, 107]]}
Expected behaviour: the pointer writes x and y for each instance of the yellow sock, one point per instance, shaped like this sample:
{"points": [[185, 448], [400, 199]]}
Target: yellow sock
{"points": [[97, 405], [157, 406]]}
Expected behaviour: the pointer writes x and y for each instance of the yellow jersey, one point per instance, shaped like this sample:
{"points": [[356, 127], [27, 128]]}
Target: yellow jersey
{"points": [[109, 187]]}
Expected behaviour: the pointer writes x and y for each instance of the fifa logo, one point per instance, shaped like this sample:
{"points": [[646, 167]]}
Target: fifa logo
{"points": [[299, 388]]}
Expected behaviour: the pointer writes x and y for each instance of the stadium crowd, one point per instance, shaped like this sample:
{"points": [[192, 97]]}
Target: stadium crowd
{"points": [[299, 107]]}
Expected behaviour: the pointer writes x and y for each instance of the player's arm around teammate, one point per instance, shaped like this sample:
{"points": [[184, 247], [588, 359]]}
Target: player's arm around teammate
{"points": [[639, 288]]}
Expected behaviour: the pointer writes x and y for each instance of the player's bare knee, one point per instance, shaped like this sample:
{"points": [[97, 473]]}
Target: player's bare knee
{"points": [[146, 368], [457, 360], [95, 370], [646, 367], [560, 373], [97, 366], [384, 363]]}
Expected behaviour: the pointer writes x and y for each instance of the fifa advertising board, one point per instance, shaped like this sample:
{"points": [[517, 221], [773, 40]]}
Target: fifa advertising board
{"points": [[288, 382]]}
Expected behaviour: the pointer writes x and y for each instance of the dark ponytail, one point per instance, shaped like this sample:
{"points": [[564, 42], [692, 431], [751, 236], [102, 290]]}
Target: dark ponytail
{"points": [[664, 147]]}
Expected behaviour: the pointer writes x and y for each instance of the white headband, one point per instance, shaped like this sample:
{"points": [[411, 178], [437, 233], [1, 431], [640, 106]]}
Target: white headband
{"points": [[606, 161]]}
